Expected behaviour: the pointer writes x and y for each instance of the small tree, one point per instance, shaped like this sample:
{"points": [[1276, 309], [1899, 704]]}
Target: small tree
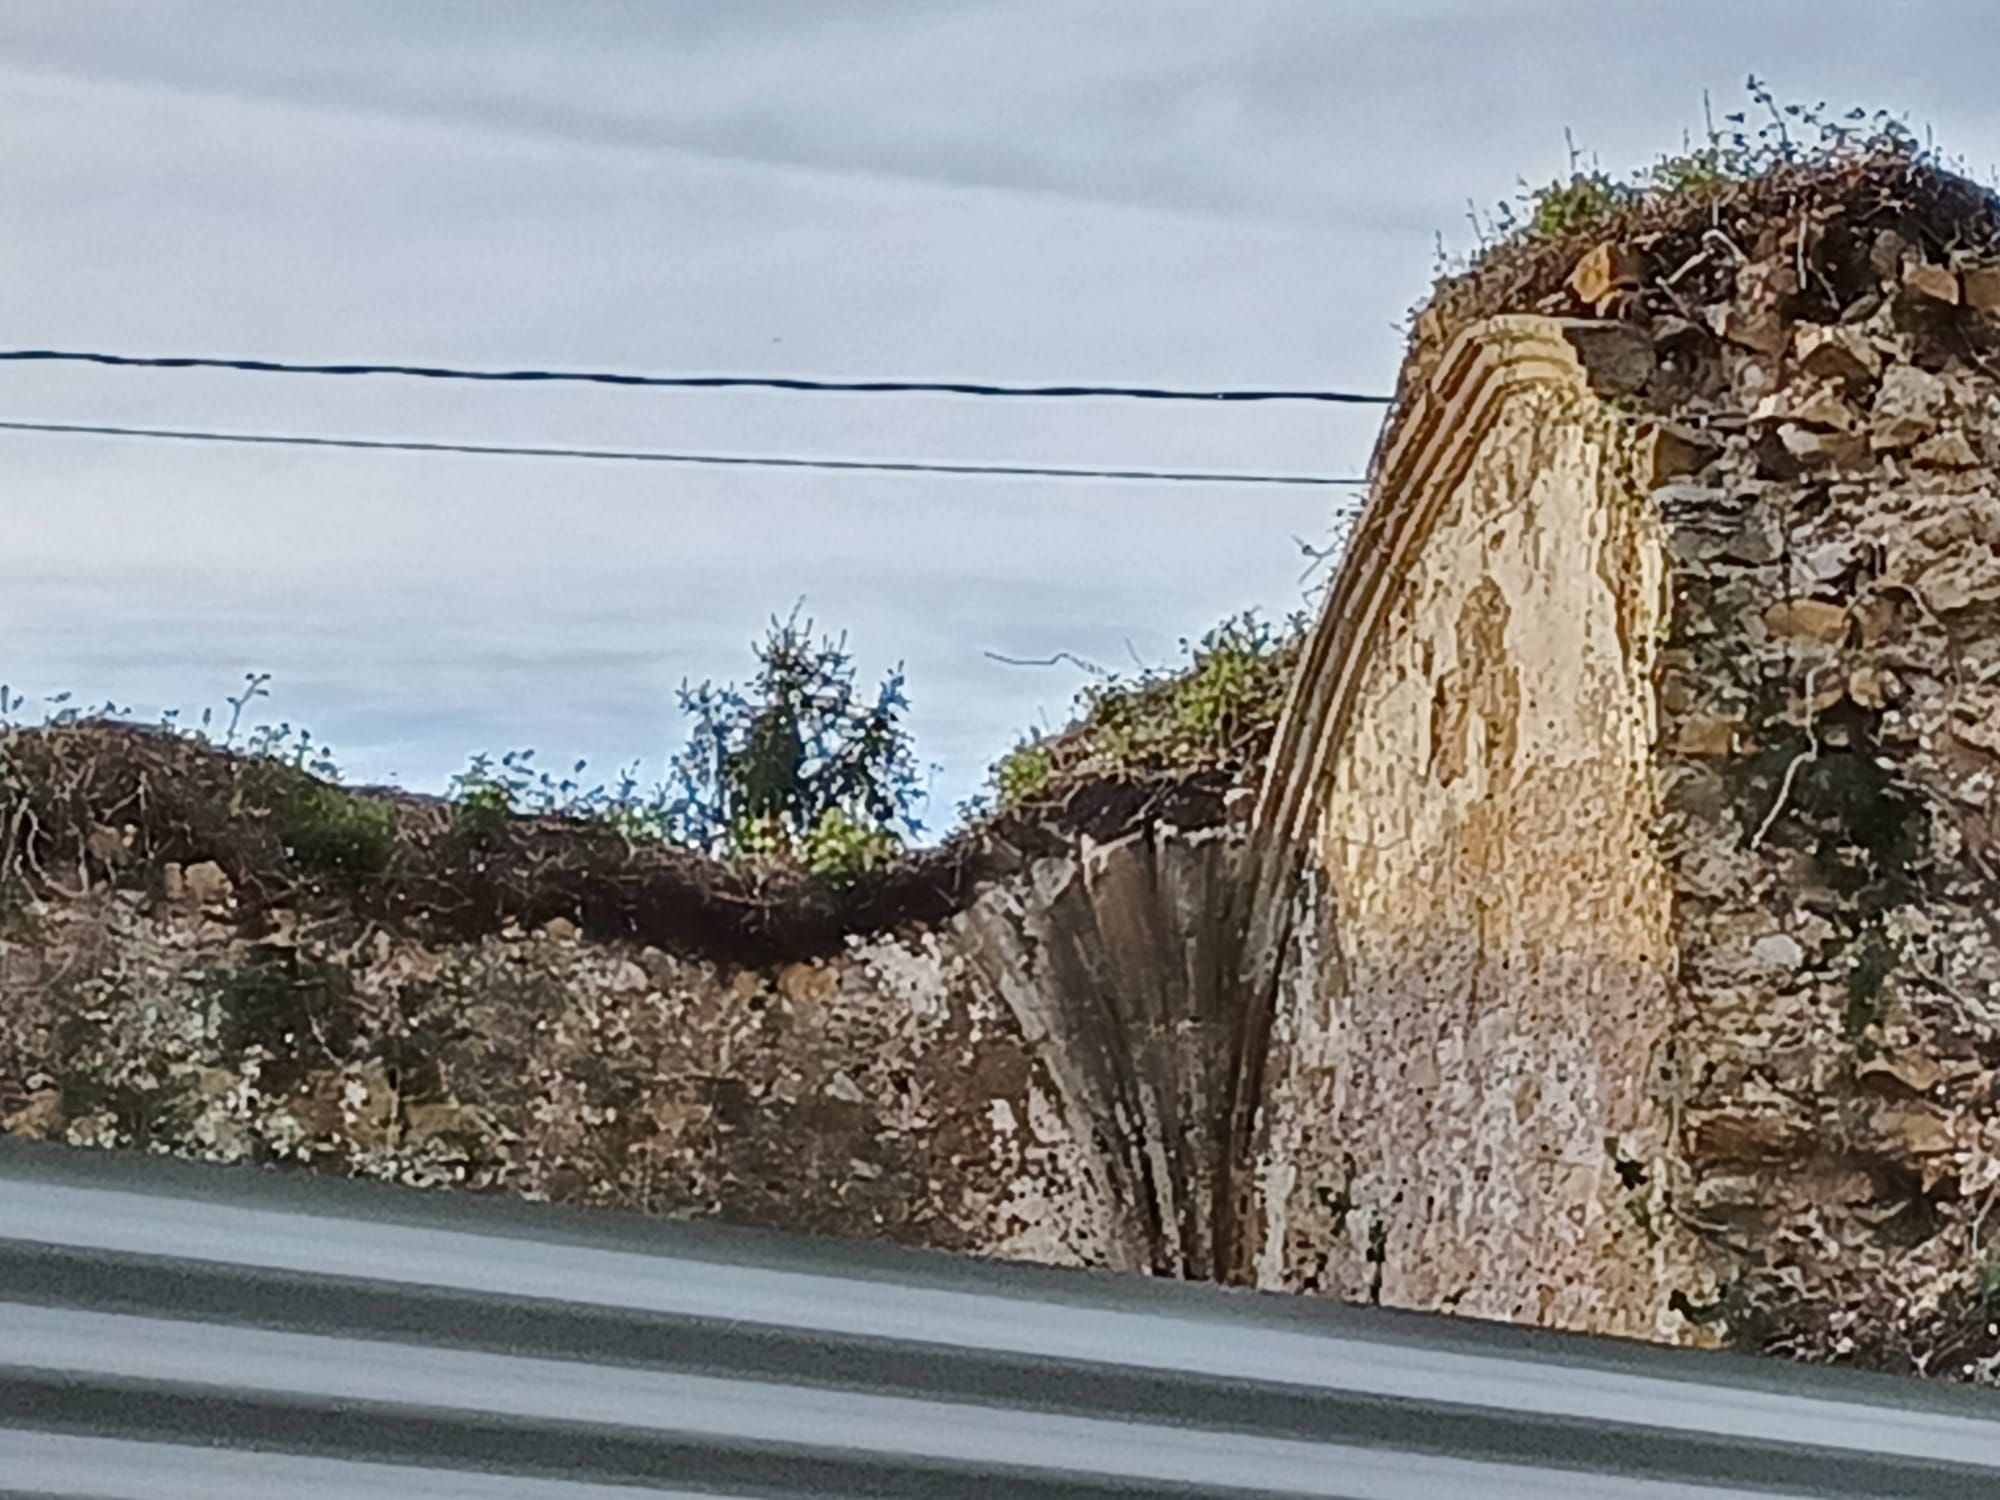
{"points": [[799, 762]]}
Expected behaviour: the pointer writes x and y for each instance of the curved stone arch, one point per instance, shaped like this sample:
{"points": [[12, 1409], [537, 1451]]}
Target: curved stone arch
{"points": [[1507, 461], [1433, 445]]}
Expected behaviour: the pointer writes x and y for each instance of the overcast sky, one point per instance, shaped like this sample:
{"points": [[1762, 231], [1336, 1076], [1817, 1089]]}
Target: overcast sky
{"points": [[1089, 191]]}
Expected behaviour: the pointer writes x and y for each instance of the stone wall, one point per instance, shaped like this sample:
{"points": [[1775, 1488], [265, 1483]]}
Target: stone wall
{"points": [[1625, 874], [878, 1093], [1466, 1032], [1830, 758], [1613, 943], [1029, 1076]]}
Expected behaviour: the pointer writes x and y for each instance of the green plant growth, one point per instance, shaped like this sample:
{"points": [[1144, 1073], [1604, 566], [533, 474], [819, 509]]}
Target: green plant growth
{"points": [[323, 829], [1763, 137], [92, 1080], [1868, 836], [1563, 208], [1378, 1256], [799, 762], [286, 775], [1023, 775], [14, 899], [1987, 1282], [1229, 692], [1742, 1307], [1640, 1210], [1211, 710], [839, 849], [291, 1008], [489, 794], [798, 766], [1869, 966], [1339, 1202], [481, 802], [1873, 835], [1869, 833]]}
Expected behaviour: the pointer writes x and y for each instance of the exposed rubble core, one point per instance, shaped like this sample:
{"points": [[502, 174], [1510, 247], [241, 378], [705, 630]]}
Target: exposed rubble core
{"points": [[1830, 744]]}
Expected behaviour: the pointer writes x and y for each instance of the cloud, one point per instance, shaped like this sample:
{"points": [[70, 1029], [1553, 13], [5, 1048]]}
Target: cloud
{"points": [[1156, 191], [1187, 109]]}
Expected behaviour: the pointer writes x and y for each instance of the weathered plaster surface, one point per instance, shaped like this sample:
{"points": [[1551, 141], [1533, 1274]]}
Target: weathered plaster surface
{"points": [[1032, 1079], [1467, 1024], [1110, 964]]}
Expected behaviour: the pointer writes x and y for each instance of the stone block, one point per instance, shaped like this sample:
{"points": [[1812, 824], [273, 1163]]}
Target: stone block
{"points": [[1981, 290], [1605, 270], [1907, 407], [1836, 352], [1812, 620], [1618, 357], [1928, 283]]}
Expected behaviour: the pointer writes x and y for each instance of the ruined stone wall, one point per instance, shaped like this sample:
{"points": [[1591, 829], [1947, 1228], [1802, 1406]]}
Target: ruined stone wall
{"points": [[1026, 1077], [1613, 945], [1469, 1019], [1110, 961], [879, 1093], [1831, 755], [1644, 973]]}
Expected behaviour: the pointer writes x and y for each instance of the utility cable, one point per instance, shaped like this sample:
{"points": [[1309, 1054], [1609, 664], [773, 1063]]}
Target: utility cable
{"points": [[684, 382], [655, 456]]}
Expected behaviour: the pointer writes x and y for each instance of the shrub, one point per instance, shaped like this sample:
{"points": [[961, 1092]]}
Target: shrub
{"points": [[484, 796], [840, 850], [1228, 695], [799, 754], [1023, 774], [1764, 137], [323, 829], [1214, 711]]}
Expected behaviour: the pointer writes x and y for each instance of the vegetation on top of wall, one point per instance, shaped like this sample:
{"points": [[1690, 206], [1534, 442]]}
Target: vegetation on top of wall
{"points": [[783, 828], [1696, 214], [798, 763], [1764, 138], [794, 768], [324, 829], [1213, 711]]}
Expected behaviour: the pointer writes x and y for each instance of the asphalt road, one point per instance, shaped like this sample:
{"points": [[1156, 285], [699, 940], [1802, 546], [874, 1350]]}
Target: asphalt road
{"points": [[173, 1331]]}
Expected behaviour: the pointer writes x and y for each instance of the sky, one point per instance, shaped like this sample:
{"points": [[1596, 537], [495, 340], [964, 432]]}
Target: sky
{"points": [[1148, 192]]}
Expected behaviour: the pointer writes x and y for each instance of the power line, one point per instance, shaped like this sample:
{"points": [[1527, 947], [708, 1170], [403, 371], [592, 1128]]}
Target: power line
{"points": [[683, 382], [654, 456]]}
